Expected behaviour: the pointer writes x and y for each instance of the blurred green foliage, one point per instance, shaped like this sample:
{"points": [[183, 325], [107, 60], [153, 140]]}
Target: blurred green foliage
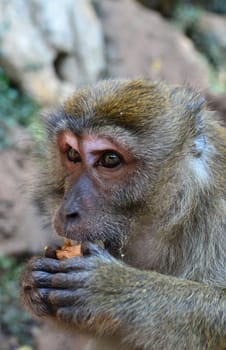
{"points": [[208, 45], [186, 18], [14, 321], [185, 15], [15, 108], [218, 6]]}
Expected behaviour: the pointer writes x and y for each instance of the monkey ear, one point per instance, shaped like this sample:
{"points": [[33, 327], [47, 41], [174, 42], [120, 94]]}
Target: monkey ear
{"points": [[196, 104], [200, 138], [196, 107]]}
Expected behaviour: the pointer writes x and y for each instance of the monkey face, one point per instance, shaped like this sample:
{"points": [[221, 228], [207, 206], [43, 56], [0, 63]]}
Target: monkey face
{"points": [[96, 170]]}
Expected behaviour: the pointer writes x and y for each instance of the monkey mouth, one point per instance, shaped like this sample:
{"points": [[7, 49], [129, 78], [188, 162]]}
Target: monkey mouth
{"points": [[79, 235], [112, 248]]}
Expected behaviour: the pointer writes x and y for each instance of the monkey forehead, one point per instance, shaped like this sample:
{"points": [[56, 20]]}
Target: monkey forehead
{"points": [[137, 106], [120, 102]]}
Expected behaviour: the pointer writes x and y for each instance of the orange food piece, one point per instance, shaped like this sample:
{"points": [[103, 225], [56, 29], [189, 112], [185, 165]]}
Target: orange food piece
{"points": [[68, 250]]}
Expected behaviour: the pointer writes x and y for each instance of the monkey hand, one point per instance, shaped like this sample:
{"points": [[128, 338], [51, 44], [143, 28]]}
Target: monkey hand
{"points": [[82, 291]]}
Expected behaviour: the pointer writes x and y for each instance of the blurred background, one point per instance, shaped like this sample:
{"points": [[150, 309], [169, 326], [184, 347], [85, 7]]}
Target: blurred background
{"points": [[47, 50]]}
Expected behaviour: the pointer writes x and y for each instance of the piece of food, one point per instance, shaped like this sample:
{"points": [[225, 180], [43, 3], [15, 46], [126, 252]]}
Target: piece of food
{"points": [[68, 250]]}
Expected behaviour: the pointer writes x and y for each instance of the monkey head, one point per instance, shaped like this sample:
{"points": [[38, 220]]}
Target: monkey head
{"points": [[110, 148]]}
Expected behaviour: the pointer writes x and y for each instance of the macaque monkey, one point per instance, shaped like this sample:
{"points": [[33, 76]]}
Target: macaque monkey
{"points": [[142, 167]]}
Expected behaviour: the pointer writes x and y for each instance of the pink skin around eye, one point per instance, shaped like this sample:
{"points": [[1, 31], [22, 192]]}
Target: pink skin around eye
{"points": [[66, 140], [87, 146]]}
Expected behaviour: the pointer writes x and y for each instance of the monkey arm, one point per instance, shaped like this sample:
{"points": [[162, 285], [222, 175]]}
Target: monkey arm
{"points": [[102, 296]]}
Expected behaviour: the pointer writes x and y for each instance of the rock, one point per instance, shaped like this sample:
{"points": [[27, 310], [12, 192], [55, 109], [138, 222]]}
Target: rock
{"points": [[21, 227], [45, 87], [89, 42], [52, 20], [151, 47], [35, 34], [69, 70], [64, 25]]}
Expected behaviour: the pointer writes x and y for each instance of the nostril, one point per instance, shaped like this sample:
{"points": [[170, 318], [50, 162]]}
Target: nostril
{"points": [[71, 209], [73, 215]]}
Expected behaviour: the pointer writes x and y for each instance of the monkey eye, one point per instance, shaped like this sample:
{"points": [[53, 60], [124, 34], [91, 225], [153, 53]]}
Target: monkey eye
{"points": [[110, 159], [73, 155]]}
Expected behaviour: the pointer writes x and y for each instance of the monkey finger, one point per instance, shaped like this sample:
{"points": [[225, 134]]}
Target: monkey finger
{"points": [[70, 280], [42, 279], [60, 298], [87, 263], [67, 265], [44, 264], [59, 280]]}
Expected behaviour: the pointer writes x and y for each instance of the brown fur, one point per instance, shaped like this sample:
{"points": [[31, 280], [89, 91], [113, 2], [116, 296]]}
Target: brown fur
{"points": [[167, 215]]}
